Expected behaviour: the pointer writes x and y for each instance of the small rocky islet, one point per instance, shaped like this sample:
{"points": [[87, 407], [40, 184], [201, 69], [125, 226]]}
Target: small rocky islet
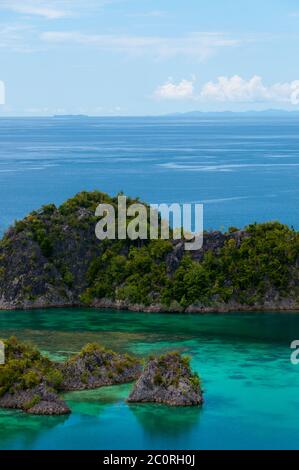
{"points": [[39, 400], [168, 379], [33, 383], [96, 366], [29, 381]]}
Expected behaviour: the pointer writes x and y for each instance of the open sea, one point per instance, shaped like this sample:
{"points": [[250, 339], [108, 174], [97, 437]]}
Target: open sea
{"points": [[243, 170]]}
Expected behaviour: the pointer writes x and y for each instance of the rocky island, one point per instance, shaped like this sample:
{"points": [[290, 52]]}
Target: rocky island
{"points": [[52, 258], [96, 367], [32, 383], [168, 379]]}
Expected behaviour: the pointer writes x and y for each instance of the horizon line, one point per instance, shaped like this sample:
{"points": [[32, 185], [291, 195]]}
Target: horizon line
{"points": [[173, 114]]}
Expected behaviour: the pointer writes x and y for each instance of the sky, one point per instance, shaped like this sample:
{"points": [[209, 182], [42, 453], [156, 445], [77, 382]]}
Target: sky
{"points": [[147, 57]]}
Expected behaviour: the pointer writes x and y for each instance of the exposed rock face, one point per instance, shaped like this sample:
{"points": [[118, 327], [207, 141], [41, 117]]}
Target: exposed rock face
{"points": [[50, 408], [95, 367], [44, 259], [168, 379], [40, 400]]}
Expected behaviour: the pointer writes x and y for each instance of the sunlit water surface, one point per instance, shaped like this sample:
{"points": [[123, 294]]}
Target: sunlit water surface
{"points": [[243, 169]]}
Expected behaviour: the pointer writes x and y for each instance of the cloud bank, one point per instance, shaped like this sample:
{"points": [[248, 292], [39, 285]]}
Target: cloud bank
{"points": [[233, 89]]}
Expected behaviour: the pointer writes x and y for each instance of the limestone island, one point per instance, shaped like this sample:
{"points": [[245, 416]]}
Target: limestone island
{"points": [[168, 379], [96, 367], [52, 258], [32, 383]]}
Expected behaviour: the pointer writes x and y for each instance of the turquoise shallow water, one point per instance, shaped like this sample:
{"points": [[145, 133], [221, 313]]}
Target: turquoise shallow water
{"points": [[251, 388]]}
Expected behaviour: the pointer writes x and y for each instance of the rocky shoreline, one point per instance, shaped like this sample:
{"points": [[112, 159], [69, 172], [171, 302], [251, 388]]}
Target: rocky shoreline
{"points": [[39, 400], [108, 304], [220, 308]]}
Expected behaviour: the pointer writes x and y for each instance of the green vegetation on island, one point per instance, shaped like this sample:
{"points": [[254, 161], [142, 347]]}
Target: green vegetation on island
{"points": [[30, 381], [33, 383], [96, 366], [52, 258], [168, 379]]}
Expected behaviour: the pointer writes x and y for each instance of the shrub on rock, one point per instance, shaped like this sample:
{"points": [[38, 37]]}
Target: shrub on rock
{"points": [[168, 379], [96, 366]]}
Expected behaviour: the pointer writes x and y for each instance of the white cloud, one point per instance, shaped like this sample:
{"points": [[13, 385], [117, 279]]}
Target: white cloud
{"points": [[286, 92], [170, 91], [233, 89], [2, 92], [197, 45], [41, 8], [237, 89]]}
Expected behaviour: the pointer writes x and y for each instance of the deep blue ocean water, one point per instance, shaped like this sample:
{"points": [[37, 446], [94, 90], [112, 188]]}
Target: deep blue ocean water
{"points": [[243, 169]]}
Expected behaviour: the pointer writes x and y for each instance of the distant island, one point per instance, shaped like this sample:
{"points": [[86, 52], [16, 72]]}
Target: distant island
{"points": [[253, 113], [195, 114], [52, 258], [71, 116]]}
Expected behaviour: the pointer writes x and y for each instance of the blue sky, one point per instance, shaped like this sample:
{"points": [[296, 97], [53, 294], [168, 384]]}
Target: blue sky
{"points": [[137, 57]]}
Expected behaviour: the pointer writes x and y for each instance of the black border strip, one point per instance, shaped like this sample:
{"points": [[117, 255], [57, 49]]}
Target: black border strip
{"points": [[180, 459]]}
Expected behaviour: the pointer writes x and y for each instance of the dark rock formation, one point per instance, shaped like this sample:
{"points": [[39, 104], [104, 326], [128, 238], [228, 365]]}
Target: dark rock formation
{"points": [[40, 400], [168, 379], [95, 367], [44, 258]]}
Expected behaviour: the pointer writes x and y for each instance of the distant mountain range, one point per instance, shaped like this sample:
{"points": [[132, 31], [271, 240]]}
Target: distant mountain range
{"points": [[267, 112]]}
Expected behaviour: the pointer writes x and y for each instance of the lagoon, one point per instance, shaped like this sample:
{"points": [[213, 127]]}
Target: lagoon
{"points": [[251, 387]]}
